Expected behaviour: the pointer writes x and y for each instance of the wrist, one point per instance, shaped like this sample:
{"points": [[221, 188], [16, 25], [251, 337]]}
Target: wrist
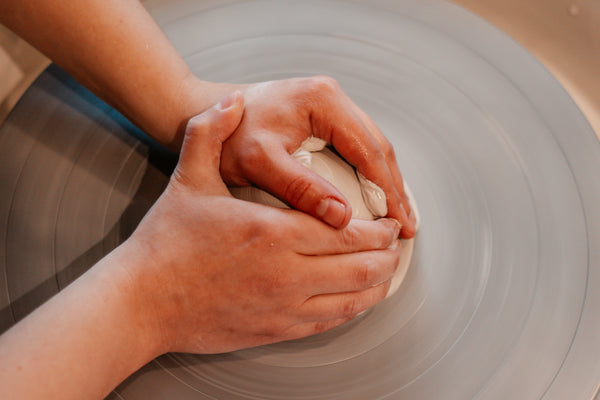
{"points": [[124, 277], [195, 97]]}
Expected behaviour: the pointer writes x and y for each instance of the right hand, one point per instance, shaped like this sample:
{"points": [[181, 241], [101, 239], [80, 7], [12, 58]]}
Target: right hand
{"points": [[221, 274], [279, 116]]}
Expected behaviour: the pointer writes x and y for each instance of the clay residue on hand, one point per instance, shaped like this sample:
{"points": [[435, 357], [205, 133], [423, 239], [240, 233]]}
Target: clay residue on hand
{"points": [[373, 196]]}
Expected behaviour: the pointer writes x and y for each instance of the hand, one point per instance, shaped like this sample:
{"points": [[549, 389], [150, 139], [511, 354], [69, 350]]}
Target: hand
{"points": [[223, 274], [279, 116]]}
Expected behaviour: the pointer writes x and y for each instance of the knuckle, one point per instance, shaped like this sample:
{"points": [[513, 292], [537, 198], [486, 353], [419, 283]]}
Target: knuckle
{"points": [[254, 154], [371, 157], [350, 306], [388, 150], [276, 329], [348, 238], [320, 326], [363, 275], [323, 85], [378, 157], [298, 190], [255, 231], [274, 283], [180, 179]]}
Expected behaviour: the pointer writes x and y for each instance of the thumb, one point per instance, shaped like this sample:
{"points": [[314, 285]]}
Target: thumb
{"points": [[205, 133]]}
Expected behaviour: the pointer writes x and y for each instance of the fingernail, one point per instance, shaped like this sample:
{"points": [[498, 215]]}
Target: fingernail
{"points": [[331, 211], [412, 218], [397, 228], [403, 210], [394, 244], [229, 101], [392, 224]]}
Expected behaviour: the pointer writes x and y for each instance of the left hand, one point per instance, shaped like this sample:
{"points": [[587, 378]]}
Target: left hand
{"points": [[279, 116], [213, 274]]}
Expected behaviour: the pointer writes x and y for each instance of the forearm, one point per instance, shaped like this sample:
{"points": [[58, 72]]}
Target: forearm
{"points": [[83, 342], [116, 49]]}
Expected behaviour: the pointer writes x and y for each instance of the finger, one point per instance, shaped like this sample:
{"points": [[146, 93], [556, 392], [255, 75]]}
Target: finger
{"points": [[312, 328], [311, 237], [201, 150], [413, 215], [345, 130], [301, 188], [409, 227], [349, 272], [327, 307]]}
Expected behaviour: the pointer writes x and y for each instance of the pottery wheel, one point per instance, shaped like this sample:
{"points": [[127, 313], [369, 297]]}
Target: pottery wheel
{"points": [[502, 298]]}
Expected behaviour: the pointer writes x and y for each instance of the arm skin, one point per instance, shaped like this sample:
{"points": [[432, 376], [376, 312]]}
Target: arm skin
{"points": [[82, 342], [115, 48], [241, 275]]}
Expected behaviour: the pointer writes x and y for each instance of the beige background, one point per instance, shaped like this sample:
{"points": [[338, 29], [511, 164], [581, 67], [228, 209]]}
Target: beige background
{"points": [[27, 64], [563, 35]]}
